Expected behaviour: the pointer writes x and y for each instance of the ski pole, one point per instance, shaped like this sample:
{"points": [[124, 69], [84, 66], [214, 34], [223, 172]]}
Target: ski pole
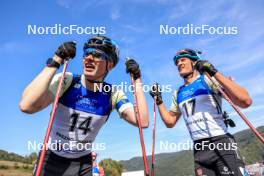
{"points": [[236, 109], [53, 112], [145, 161], [153, 139]]}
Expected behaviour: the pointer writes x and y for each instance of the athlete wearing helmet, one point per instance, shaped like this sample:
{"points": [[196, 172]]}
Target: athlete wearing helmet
{"points": [[82, 108], [199, 102], [105, 49]]}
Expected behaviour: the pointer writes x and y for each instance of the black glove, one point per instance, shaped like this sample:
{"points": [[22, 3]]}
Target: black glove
{"points": [[132, 67], [66, 50], [156, 92], [205, 66]]}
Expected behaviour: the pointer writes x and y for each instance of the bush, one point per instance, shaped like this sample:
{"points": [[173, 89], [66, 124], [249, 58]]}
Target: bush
{"points": [[4, 167], [25, 166], [16, 166], [111, 167]]}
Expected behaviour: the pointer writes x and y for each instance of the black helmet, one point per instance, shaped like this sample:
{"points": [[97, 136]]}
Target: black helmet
{"points": [[191, 54], [106, 45]]}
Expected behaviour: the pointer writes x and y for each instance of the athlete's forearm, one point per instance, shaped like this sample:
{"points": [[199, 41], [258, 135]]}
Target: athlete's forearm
{"points": [[36, 94], [236, 93], [166, 117], [142, 103], [36, 91]]}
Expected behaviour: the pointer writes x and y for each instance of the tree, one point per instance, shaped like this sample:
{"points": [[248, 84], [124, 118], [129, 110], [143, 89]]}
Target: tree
{"points": [[32, 158], [111, 167]]}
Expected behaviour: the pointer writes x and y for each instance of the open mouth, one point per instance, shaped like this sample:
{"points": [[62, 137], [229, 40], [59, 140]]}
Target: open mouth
{"points": [[89, 66]]}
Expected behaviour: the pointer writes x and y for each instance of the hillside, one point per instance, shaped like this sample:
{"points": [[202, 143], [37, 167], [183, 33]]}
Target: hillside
{"points": [[181, 163]]}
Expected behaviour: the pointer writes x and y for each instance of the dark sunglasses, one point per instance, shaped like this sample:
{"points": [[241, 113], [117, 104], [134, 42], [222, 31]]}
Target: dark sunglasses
{"points": [[95, 53]]}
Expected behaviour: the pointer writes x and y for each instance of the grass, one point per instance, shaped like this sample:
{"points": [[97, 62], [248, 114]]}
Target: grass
{"points": [[10, 168]]}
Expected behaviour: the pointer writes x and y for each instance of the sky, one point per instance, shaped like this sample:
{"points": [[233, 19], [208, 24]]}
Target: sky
{"points": [[135, 26]]}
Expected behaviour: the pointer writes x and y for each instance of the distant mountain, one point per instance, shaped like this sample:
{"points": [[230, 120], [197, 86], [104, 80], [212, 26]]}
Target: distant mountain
{"points": [[181, 163], [250, 147]]}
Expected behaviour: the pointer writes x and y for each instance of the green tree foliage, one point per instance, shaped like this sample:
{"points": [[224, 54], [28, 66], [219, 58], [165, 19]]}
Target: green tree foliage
{"points": [[111, 167], [4, 155]]}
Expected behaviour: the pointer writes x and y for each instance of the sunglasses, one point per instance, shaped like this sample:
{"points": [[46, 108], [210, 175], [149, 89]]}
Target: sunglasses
{"points": [[95, 53]]}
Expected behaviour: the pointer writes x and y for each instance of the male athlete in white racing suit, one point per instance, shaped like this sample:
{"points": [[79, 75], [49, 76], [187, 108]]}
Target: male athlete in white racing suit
{"points": [[199, 102], [85, 104]]}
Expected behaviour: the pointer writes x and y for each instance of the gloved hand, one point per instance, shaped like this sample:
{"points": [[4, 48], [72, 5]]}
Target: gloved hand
{"points": [[156, 92], [66, 50], [205, 66], [132, 67]]}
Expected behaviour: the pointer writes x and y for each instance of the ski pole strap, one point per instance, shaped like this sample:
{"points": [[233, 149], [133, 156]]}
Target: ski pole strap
{"points": [[236, 109]]}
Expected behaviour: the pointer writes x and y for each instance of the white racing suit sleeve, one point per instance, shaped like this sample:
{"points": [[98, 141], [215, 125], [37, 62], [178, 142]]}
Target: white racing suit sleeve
{"points": [[174, 105], [120, 101], [56, 80]]}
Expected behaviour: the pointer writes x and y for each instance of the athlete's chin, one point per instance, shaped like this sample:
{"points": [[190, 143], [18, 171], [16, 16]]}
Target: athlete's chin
{"points": [[89, 77], [183, 73], [89, 73]]}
